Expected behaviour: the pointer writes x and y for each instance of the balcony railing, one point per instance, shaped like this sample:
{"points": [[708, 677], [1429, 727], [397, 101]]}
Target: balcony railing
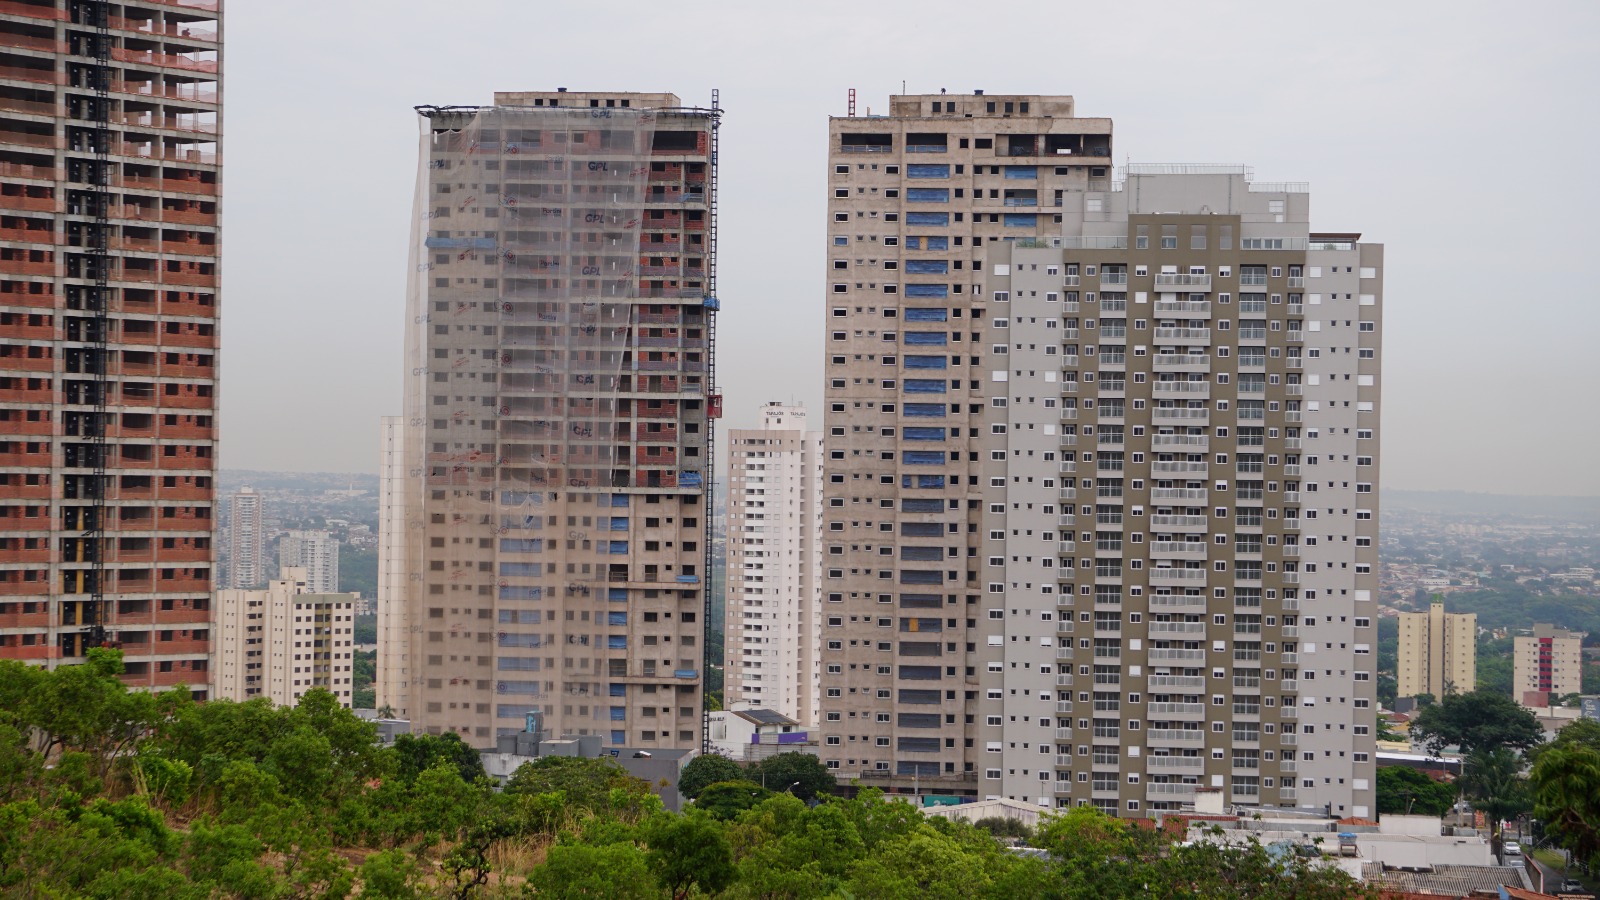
{"points": [[1183, 334], [1183, 279]]}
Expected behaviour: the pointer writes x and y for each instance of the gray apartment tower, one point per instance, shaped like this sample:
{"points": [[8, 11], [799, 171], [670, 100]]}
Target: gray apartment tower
{"points": [[1100, 514], [556, 458]]}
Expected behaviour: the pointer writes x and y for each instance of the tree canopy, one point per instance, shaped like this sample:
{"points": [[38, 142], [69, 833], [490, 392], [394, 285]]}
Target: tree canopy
{"points": [[107, 793], [1403, 790], [1478, 720], [707, 769], [1565, 783]]}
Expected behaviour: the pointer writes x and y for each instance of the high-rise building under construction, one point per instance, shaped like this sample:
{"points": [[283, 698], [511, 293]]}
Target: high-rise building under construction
{"points": [[557, 448], [109, 132], [1101, 507]]}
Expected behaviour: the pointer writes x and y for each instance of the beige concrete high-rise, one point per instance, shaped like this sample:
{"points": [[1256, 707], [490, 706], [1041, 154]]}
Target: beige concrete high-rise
{"points": [[1547, 662], [774, 567], [110, 188], [1102, 463], [919, 200], [283, 641], [560, 400], [1437, 652]]}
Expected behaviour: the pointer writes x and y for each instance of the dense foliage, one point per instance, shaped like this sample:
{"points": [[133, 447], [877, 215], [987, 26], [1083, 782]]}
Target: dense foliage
{"points": [[108, 793], [1403, 790], [1481, 720], [1565, 782]]}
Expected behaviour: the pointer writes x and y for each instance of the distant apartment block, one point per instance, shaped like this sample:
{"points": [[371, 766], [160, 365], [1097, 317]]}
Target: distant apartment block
{"points": [[393, 682], [774, 581], [1438, 652], [1100, 502], [1549, 661], [283, 641], [317, 552], [247, 539], [110, 186], [559, 411]]}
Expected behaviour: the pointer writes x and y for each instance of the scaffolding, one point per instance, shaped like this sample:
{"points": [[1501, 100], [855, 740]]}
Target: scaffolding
{"points": [[557, 430]]}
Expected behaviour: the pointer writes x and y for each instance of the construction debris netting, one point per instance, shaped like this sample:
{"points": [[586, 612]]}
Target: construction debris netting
{"points": [[520, 316]]}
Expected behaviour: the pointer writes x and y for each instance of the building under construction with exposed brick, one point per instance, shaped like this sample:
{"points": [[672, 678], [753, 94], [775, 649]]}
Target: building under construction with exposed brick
{"points": [[110, 129]]}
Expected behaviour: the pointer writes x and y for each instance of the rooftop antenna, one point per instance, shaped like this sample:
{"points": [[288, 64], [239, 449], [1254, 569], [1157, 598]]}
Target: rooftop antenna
{"points": [[902, 85], [852, 103]]}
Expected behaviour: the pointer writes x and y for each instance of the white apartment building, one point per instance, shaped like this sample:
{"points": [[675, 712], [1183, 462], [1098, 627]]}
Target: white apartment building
{"points": [[393, 687], [1180, 508], [774, 566], [246, 539], [315, 551], [283, 641]]}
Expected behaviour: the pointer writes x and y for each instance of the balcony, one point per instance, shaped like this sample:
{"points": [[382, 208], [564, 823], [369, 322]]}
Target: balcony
{"points": [[1179, 710], [1195, 682], [1180, 468], [1177, 603], [1190, 495], [1186, 280], [1161, 655], [1188, 335], [1195, 415], [1175, 736], [1168, 575], [1158, 629], [1182, 362], [1180, 549], [1178, 522], [1175, 762], [1197, 388], [1184, 307], [1198, 441]]}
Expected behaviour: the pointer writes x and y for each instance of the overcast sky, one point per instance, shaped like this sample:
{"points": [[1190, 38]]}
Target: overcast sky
{"points": [[1462, 135]]}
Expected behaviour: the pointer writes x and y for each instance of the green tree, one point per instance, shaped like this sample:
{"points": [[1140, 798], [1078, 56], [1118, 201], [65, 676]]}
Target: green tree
{"points": [[1495, 673], [617, 871], [363, 672], [689, 852], [1493, 781], [706, 769], [1565, 781], [391, 875], [1403, 790], [726, 799], [1479, 720], [586, 784], [800, 774], [416, 753]]}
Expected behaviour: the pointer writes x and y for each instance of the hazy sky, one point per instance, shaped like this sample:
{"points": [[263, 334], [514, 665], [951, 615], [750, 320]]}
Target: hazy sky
{"points": [[1460, 134]]}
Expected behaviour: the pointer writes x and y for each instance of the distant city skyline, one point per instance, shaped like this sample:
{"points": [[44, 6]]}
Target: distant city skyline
{"points": [[1395, 141]]}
